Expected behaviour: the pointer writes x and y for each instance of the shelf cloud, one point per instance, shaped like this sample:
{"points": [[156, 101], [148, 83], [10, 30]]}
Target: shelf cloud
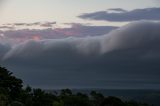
{"points": [[130, 55]]}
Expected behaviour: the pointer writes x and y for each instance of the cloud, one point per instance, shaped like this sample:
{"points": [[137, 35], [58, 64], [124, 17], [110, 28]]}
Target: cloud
{"points": [[19, 24], [47, 24], [119, 10], [121, 15], [85, 30], [127, 57], [76, 30], [4, 48], [42, 24], [6, 27]]}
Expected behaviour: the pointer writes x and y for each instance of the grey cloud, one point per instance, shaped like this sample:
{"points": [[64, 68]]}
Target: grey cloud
{"points": [[24, 24], [43, 24], [117, 10], [19, 24], [7, 27], [85, 30], [33, 24], [76, 30], [4, 48], [127, 57], [121, 15], [47, 24]]}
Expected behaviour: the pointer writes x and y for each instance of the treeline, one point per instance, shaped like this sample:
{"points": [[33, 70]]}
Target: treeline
{"points": [[12, 93]]}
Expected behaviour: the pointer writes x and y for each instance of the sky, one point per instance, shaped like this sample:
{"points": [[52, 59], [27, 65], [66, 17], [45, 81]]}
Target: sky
{"points": [[62, 11], [82, 43]]}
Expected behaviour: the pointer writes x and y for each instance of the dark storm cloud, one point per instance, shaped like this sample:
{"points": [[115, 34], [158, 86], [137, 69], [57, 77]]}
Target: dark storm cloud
{"points": [[127, 57], [4, 48], [120, 15]]}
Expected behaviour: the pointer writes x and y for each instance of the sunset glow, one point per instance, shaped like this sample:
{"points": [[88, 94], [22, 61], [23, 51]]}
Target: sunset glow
{"points": [[36, 38]]}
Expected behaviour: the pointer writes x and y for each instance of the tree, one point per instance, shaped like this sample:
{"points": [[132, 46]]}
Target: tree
{"points": [[12, 94], [112, 101], [9, 83], [26, 96], [96, 98], [3, 100], [66, 92], [41, 98]]}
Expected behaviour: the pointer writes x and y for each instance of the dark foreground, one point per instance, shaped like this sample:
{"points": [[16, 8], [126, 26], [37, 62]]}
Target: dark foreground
{"points": [[12, 93]]}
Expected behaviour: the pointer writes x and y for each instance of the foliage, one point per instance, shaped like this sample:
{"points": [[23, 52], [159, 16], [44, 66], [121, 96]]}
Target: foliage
{"points": [[12, 93]]}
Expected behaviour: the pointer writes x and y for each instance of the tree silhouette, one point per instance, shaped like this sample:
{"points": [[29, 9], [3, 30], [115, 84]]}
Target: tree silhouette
{"points": [[9, 83], [97, 98], [112, 101], [12, 94]]}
